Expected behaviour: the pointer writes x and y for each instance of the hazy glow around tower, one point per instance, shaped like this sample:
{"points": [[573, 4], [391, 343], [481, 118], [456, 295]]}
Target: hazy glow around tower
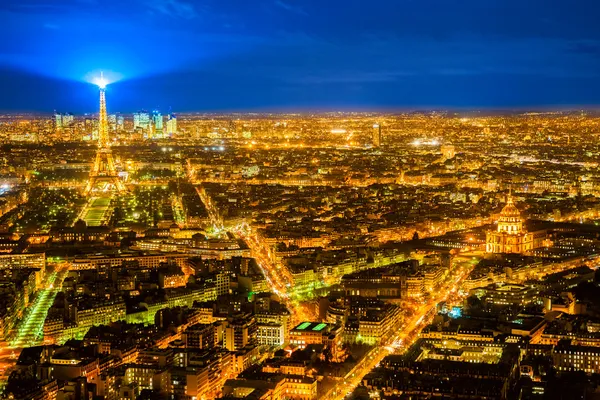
{"points": [[102, 78], [101, 81]]}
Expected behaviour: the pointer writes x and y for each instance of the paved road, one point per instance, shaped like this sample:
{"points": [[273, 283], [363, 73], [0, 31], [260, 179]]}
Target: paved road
{"points": [[30, 330], [408, 331]]}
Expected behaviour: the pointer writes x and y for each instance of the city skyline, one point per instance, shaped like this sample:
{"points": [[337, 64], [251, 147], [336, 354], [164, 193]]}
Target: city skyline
{"points": [[257, 255], [299, 200]]}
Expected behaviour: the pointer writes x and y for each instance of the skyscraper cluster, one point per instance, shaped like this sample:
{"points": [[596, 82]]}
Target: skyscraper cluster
{"points": [[152, 125], [63, 120]]}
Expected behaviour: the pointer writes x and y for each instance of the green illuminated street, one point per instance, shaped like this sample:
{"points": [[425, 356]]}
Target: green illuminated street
{"points": [[30, 328]]}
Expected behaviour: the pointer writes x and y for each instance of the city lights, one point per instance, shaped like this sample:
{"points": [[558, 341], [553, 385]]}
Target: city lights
{"points": [[405, 241], [331, 236]]}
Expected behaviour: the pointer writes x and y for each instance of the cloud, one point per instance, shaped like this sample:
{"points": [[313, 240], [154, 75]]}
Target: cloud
{"points": [[290, 7], [173, 8]]}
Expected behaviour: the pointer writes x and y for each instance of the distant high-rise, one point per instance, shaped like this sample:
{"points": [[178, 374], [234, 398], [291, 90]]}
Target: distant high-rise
{"points": [[116, 122], [67, 119], [120, 122], [157, 121], [58, 120], [112, 122], [171, 127], [63, 120], [91, 127], [141, 120], [377, 135]]}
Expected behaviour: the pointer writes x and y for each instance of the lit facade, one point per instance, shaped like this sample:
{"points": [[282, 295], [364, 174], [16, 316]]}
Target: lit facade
{"points": [[308, 333], [510, 236], [58, 120], [576, 358], [272, 334], [510, 294], [199, 336], [25, 260], [377, 135], [157, 121], [171, 125], [240, 332], [141, 120]]}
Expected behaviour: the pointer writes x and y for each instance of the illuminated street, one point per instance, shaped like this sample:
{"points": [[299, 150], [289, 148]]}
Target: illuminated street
{"points": [[215, 217], [276, 274], [406, 334], [30, 330]]}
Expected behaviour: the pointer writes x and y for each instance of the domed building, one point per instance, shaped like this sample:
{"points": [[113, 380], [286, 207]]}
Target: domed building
{"points": [[511, 237]]}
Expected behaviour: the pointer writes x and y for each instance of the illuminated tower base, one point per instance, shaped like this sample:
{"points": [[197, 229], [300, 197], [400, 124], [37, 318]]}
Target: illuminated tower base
{"points": [[103, 175]]}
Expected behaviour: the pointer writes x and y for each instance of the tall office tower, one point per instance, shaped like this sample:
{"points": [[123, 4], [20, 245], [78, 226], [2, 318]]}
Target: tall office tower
{"points": [[58, 121], [104, 170], [157, 121], [141, 120], [171, 124], [63, 120], [377, 135], [112, 122], [120, 122], [91, 127], [67, 119]]}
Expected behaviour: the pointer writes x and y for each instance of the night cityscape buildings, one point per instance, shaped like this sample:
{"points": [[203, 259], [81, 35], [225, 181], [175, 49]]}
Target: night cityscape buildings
{"points": [[380, 250], [289, 257]]}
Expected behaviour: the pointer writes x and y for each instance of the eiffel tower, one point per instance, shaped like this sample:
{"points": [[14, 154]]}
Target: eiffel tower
{"points": [[103, 175]]}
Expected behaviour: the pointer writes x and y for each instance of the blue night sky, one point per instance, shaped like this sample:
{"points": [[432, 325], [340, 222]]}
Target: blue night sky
{"points": [[249, 55]]}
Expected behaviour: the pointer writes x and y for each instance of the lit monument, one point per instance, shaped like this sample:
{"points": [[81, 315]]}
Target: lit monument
{"points": [[511, 236], [103, 171]]}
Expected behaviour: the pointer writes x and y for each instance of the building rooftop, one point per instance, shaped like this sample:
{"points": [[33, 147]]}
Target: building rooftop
{"points": [[311, 326]]}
